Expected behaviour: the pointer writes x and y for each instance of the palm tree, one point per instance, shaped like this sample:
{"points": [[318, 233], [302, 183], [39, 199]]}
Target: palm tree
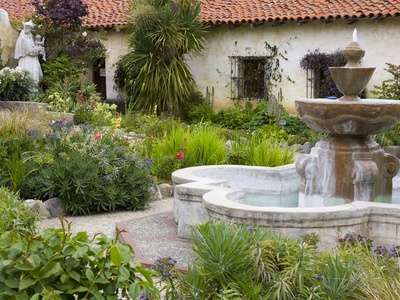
{"points": [[153, 74]]}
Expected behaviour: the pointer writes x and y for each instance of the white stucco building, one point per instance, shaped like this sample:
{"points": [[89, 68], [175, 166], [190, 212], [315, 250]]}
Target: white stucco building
{"points": [[240, 28]]}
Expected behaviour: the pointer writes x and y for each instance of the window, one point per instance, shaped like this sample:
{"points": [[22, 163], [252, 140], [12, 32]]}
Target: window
{"points": [[249, 75], [313, 83]]}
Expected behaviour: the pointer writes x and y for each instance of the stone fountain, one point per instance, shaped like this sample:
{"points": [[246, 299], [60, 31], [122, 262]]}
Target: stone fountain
{"points": [[341, 180], [348, 165]]}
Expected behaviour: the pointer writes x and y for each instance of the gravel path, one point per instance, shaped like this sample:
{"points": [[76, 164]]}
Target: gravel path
{"points": [[105, 222]]}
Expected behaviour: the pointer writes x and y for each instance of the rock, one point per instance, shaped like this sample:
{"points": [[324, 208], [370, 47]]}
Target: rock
{"points": [[155, 193], [244, 140], [165, 190], [228, 145], [55, 207], [307, 147], [298, 147], [39, 207], [283, 145]]}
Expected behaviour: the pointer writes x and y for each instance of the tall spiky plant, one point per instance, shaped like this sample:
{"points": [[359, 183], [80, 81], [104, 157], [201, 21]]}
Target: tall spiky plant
{"points": [[154, 73]]}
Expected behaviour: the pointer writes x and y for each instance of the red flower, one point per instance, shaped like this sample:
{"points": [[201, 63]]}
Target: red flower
{"points": [[74, 132], [340, 240], [64, 118], [98, 135], [180, 155], [149, 135]]}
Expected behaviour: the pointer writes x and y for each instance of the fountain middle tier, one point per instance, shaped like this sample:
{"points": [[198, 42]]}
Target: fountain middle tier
{"points": [[341, 169]]}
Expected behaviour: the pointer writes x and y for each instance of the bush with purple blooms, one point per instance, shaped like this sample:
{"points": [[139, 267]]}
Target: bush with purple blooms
{"points": [[87, 171], [165, 265], [354, 240], [311, 239], [319, 62]]}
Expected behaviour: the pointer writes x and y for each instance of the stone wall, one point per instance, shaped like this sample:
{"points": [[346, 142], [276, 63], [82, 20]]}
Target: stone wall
{"points": [[8, 38]]}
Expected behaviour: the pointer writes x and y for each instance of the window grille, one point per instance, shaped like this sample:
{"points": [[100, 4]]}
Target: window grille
{"points": [[313, 85], [249, 76]]}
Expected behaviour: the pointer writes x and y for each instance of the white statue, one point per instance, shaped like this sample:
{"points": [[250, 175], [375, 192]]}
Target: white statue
{"points": [[40, 43], [27, 52]]}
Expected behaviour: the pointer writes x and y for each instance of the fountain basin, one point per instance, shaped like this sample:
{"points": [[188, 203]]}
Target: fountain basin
{"points": [[351, 81], [361, 117], [206, 192]]}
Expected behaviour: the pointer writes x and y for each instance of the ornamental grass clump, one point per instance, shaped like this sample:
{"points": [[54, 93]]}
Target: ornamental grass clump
{"points": [[21, 120]]}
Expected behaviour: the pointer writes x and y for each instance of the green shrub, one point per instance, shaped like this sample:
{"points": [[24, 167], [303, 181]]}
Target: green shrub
{"points": [[15, 84], [88, 172], [166, 166], [260, 117], [390, 88], [233, 117], [149, 124], [14, 214], [57, 70], [295, 126], [389, 138], [196, 113], [57, 265]]}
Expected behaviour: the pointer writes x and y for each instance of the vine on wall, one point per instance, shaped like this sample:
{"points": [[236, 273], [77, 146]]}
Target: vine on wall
{"points": [[272, 68]]}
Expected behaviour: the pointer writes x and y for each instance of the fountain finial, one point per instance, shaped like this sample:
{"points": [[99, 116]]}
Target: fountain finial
{"points": [[353, 52]]}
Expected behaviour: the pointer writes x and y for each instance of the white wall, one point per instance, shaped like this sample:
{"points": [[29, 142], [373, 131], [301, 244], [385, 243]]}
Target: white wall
{"points": [[117, 44], [213, 67]]}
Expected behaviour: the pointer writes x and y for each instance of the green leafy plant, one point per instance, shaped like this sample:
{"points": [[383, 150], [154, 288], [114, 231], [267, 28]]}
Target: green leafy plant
{"points": [[55, 71], [233, 117], [15, 84], [88, 172], [58, 265], [390, 88], [157, 126], [14, 214]]}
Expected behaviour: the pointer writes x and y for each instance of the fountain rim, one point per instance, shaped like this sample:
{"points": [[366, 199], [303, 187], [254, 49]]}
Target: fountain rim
{"points": [[371, 101]]}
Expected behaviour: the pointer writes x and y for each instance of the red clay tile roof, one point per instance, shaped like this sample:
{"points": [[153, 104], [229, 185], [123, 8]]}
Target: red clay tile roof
{"points": [[254, 11], [108, 13]]}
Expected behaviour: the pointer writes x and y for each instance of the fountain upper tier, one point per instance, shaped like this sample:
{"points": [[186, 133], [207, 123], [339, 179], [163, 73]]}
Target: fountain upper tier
{"points": [[350, 115], [361, 117]]}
